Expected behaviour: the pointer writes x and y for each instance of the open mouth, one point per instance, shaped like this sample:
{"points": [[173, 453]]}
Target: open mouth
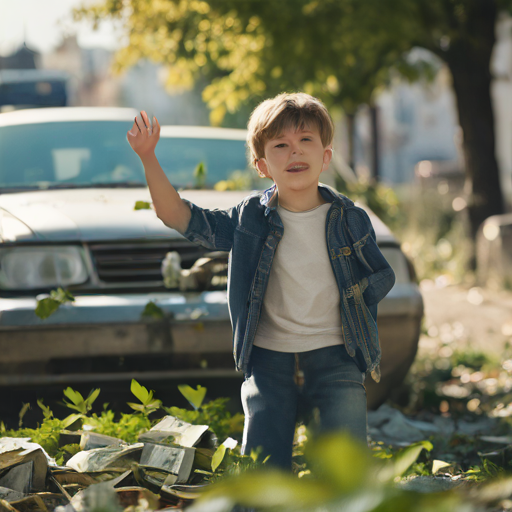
{"points": [[298, 167]]}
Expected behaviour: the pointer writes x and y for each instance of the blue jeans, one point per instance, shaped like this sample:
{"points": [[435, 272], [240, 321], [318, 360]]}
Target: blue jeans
{"points": [[280, 388]]}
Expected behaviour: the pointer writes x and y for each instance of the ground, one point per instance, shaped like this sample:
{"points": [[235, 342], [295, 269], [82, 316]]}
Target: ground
{"points": [[478, 318]]}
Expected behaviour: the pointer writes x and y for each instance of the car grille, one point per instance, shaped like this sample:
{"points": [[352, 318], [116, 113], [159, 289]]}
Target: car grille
{"points": [[139, 263]]}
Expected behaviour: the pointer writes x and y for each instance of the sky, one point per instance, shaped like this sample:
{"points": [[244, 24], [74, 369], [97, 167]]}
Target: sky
{"points": [[45, 22]]}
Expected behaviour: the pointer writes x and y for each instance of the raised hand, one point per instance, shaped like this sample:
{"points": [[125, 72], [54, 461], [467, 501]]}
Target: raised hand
{"points": [[143, 135]]}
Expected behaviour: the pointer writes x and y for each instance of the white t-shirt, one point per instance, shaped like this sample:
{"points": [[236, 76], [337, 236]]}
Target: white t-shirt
{"points": [[301, 307]]}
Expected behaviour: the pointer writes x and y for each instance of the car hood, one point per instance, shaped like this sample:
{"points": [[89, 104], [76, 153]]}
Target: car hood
{"points": [[93, 214]]}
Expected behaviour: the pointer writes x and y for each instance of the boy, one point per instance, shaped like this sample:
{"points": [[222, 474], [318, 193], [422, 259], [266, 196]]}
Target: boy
{"points": [[304, 279]]}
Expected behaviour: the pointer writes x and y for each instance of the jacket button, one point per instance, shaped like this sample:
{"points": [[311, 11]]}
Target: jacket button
{"points": [[346, 251]]}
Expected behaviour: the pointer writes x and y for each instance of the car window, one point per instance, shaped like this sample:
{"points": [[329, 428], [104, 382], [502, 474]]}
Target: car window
{"points": [[87, 153], [79, 153], [222, 159]]}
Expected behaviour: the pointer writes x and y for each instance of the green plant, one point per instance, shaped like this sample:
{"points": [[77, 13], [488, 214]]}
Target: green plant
{"points": [[80, 404], [142, 205], [47, 306], [151, 310], [148, 403], [212, 413], [342, 474], [200, 174]]}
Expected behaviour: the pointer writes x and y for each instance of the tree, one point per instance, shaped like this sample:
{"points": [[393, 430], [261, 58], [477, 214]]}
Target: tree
{"points": [[340, 50]]}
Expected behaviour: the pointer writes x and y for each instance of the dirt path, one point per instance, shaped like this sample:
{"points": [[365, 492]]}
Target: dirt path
{"points": [[475, 318]]}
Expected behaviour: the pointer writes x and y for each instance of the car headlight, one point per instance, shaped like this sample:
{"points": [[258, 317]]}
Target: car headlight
{"points": [[24, 268]]}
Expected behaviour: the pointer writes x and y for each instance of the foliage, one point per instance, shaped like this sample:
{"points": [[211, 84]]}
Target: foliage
{"points": [[212, 413], [200, 174], [148, 403], [341, 51], [47, 434], [128, 427], [142, 205], [194, 396], [48, 305], [432, 234], [242, 180], [151, 310], [342, 473], [380, 198], [83, 406]]}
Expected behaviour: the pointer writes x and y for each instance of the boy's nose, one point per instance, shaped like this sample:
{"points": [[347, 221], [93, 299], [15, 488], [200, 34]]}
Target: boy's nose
{"points": [[296, 150]]}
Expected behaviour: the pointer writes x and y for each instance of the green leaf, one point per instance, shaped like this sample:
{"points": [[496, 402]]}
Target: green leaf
{"points": [[74, 396], [218, 456], [140, 392], [403, 459], [340, 459], [151, 310], [194, 396], [155, 404], [142, 205], [72, 418], [200, 175], [269, 488], [439, 464], [23, 411], [72, 448], [136, 407], [46, 307], [92, 397], [62, 295], [47, 412]]}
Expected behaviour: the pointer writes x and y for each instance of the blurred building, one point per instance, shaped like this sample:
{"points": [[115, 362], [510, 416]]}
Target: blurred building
{"points": [[502, 98], [419, 122], [416, 121], [23, 58], [142, 87], [91, 82]]}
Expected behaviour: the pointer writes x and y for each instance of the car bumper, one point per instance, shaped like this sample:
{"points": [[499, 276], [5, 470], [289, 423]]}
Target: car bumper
{"points": [[196, 335]]}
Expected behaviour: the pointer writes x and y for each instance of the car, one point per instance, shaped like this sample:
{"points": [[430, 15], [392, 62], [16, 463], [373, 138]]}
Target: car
{"points": [[69, 183]]}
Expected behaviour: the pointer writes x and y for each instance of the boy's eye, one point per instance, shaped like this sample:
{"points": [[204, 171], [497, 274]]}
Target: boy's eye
{"points": [[282, 145], [306, 138]]}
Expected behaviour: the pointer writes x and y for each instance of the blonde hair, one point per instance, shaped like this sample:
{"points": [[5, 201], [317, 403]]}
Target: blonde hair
{"points": [[297, 110]]}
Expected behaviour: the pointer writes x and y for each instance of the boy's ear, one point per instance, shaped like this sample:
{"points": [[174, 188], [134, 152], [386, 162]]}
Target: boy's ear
{"points": [[327, 157], [262, 168]]}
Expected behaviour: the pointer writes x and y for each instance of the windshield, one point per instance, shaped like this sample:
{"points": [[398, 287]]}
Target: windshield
{"points": [[85, 154]]}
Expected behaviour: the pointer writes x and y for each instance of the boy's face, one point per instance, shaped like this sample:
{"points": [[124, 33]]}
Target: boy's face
{"points": [[295, 159]]}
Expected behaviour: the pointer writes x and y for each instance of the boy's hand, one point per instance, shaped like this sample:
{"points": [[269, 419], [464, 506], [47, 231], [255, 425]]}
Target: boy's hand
{"points": [[143, 136]]}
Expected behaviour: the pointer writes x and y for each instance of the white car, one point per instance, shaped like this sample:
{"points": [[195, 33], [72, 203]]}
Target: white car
{"points": [[68, 186]]}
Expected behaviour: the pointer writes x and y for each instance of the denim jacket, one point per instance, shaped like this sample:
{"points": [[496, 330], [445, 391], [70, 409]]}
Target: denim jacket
{"points": [[251, 232]]}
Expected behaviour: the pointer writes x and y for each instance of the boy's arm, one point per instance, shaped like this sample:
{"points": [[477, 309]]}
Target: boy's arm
{"points": [[382, 277], [211, 228], [169, 207]]}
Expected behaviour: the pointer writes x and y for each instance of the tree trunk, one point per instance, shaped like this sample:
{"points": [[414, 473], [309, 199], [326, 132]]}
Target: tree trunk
{"points": [[469, 61], [351, 125], [375, 165]]}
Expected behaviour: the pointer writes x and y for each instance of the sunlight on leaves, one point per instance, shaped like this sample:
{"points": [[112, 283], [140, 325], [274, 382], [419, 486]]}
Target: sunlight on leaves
{"points": [[194, 396]]}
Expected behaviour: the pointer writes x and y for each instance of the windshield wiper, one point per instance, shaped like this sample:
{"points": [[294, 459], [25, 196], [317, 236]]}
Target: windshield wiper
{"points": [[9, 190]]}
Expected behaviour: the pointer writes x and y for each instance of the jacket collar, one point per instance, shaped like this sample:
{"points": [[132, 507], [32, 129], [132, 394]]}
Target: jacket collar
{"points": [[269, 197]]}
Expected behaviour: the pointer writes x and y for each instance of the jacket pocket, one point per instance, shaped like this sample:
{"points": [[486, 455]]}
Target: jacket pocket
{"points": [[368, 252]]}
